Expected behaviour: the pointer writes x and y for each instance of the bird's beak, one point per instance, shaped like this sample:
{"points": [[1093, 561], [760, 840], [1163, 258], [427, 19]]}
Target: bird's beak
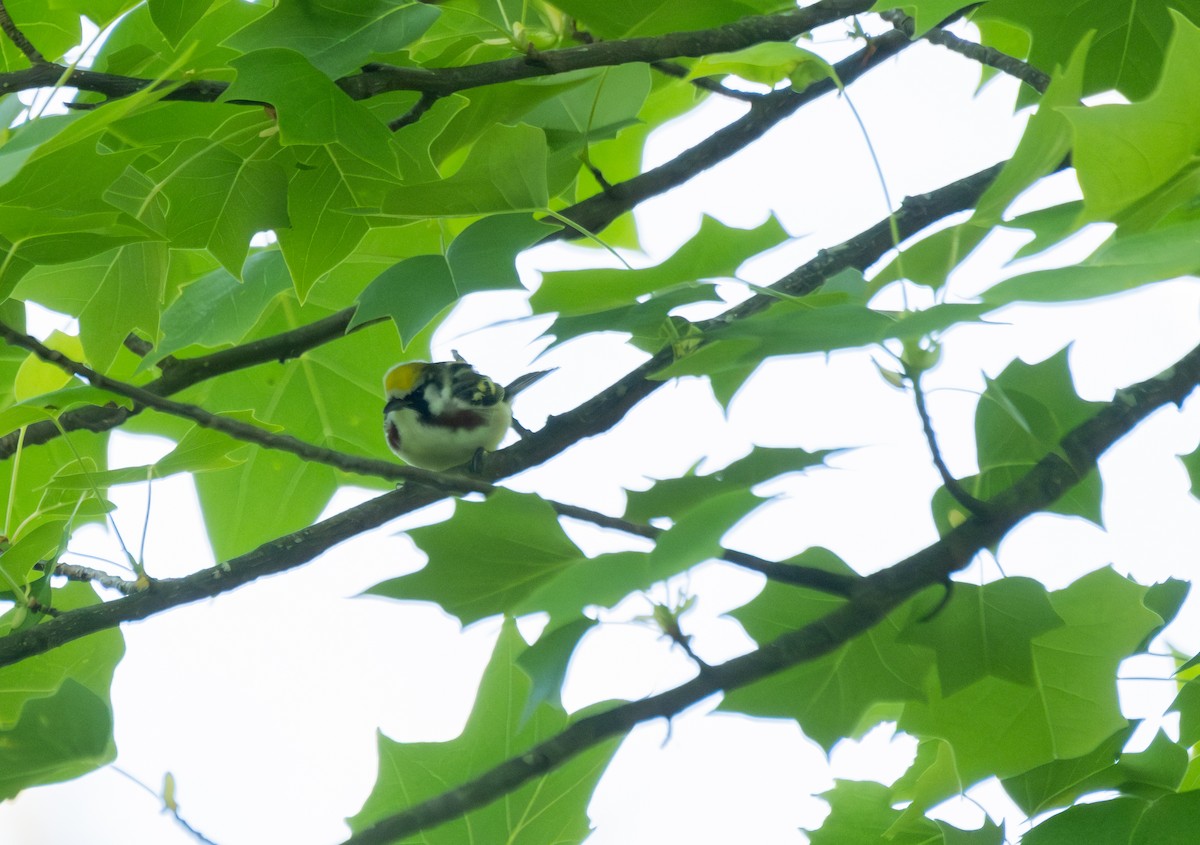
{"points": [[395, 404]]}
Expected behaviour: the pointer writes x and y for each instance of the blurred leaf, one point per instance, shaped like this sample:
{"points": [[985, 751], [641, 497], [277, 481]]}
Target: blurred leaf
{"points": [[338, 36], [986, 631], [57, 738], [714, 252], [674, 496], [861, 812], [767, 63], [830, 696], [1119, 264], [1124, 152], [551, 808], [175, 17], [487, 558], [88, 662], [506, 171], [415, 290], [217, 309], [1128, 48], [999, 727], [545, 662]]}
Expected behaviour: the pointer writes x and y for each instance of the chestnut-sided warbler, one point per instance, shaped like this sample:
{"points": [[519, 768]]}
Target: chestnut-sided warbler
{"points": [[444, 414]]}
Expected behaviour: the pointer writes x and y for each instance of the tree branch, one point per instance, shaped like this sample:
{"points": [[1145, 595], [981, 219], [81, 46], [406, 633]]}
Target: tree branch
{"points": [[596, 212], [1003, 62], [381, 79], [18, 38], [877, 596], [180, 373]]}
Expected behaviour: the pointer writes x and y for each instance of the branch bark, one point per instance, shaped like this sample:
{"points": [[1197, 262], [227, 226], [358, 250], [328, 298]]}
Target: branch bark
{"points": [[381, 79]]}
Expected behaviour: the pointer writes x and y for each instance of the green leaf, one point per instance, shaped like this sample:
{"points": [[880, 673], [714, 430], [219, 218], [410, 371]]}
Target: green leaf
{"points": [[1187, 705], [487, 558], [1128, 46], [831, 696], [1151, 773], [646, 320], [1022, 416], [715, 252], [1044, 144], [57, 738], [175, 17], [43, 542], [1059, 782], [629, 18], [1109, 822], [88, 662], [338, 36], [999, 727], [322, 232], [53, 28], [215, 198], [1125, 152], [696, 535], [217, 309], [674, 496], [861, 811], [112, 294], [36, 377], [311, 109], [986, 630], [505, 171], [200, 450], [415, 290], [767, 63], [815, 323], [930, 261], [551, 808], [545, 662]]}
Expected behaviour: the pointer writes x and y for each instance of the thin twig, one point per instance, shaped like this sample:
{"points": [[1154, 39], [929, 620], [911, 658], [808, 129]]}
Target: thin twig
{"points": [[422, 105], [169, 806], [990, 56], [952, 485], [75, 572], [18, 38], [705, 83], [785, 573]]}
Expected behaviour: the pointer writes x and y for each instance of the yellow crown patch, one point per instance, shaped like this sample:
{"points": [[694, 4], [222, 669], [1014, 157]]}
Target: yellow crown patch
{"points": [[402, 377]]}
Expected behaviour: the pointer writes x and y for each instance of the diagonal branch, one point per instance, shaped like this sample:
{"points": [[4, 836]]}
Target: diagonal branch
{"points": [[878, 595], [990, 56], [18, 38], [598, 211], [381, 79]]}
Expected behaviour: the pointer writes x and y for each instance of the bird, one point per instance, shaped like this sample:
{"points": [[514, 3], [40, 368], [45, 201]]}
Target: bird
{"points": [[444, 414]]}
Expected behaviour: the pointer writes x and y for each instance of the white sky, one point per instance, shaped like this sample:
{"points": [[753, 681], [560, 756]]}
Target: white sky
{"points": [[263, 703]]}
